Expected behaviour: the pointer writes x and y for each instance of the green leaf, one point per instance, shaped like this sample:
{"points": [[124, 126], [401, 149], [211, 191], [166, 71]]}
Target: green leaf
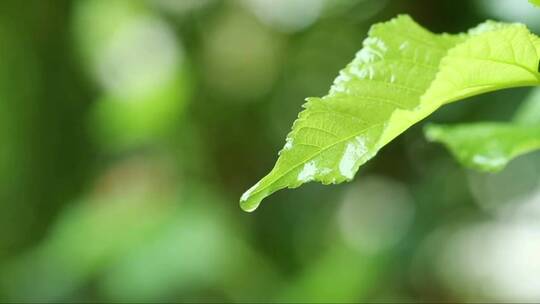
{"points": [[535, 2], [490, 146], [486, 146], [401, 75]]}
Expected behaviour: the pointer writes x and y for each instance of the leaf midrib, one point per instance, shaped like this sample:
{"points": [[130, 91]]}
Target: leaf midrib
{"points": [[311, 157]]}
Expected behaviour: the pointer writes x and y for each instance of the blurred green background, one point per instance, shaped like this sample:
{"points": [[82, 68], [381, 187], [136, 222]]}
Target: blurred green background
{"points": [[129, 129]]}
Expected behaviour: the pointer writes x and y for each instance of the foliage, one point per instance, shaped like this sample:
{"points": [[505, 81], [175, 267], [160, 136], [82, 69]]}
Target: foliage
{"points": [[129, 128]]}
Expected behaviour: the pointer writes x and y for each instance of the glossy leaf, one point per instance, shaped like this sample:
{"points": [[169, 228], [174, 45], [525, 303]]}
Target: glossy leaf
{"points": [[401, 75]]}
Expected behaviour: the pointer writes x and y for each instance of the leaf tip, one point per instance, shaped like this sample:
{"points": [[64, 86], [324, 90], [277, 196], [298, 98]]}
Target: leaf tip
{"points": [[249, 201], [249, 207]]}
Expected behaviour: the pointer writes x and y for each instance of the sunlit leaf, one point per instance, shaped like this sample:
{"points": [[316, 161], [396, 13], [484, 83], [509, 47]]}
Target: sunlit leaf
{"points": [[535, 2], [401, 75]]}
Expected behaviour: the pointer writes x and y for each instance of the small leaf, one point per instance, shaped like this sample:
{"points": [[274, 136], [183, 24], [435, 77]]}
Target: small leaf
{"points": [[490, 146], [486, 146], [401, 75]]}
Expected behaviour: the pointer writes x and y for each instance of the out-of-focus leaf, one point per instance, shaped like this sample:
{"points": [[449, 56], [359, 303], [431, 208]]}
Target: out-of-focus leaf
{"points": [[486, 146], [401, 75], [489, 146], [535, 2]]}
